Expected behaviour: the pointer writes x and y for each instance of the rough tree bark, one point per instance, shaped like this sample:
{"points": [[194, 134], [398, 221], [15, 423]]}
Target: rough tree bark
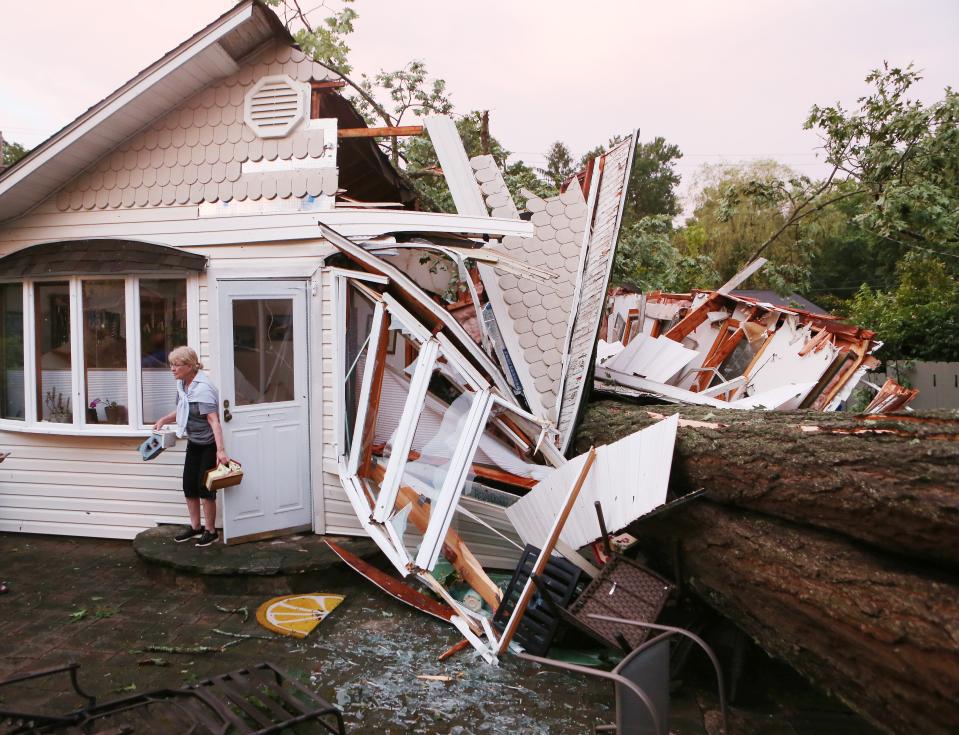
{"points": [[889, 481], [880, 635], [779, 547]]}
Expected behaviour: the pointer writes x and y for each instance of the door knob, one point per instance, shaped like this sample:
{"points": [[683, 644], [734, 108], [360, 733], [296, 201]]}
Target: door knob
{"points": [[227, 416]]}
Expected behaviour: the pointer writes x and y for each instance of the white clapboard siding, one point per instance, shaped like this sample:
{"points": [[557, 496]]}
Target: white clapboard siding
{"points": [[87, 486]]}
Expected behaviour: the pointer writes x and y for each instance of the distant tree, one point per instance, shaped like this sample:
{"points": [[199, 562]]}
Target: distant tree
{"points": [[647, 260], [653, 181], [898, 156], [13, 152], [729, 234], [919, 318], [559, 164]]}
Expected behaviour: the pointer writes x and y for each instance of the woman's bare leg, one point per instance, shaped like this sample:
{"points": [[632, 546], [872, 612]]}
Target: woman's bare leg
{"points": [[193, 506], [209, 515]]}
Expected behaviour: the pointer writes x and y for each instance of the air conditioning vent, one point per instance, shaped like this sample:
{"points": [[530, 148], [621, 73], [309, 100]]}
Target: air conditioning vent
{"points": [[274, 106]]}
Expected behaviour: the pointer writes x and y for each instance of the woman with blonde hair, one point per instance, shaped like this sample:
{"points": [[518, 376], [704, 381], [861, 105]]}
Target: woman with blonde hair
{"points": [[197, 418]]}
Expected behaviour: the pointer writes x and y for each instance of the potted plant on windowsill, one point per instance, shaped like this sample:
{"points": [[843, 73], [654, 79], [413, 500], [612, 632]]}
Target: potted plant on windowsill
{"points": [[103, 411], [55, 408], [116, 414]]}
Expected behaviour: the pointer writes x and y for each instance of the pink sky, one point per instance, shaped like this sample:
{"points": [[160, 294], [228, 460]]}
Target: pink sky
{"points": [[726, 81]]}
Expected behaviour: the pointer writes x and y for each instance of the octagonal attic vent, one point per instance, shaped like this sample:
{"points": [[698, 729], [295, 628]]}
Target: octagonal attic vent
{"points": [[274, 106]]}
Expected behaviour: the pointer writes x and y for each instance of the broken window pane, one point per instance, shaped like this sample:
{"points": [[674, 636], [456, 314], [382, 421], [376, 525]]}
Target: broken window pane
{"points": [[437, 434], [359, 323], [263, 350]]}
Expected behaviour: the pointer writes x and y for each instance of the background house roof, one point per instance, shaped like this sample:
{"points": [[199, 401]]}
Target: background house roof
{"points": [[792, 301]]}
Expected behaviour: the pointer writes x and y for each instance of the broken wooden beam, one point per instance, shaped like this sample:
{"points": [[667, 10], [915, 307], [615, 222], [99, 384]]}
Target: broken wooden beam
{"points": [[455, 550], [390, 132]]}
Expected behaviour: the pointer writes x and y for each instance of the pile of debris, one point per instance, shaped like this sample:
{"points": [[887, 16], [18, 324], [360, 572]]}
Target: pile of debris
{"points": [[831, 539], [726, 350], [464, 363], [464, 360]]}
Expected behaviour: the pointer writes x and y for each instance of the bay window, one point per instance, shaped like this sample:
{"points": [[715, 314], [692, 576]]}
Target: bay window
{"points": [[88, 354]]}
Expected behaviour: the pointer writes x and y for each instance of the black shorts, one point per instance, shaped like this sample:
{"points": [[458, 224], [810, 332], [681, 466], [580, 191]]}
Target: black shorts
{"points": [[199, 459]]}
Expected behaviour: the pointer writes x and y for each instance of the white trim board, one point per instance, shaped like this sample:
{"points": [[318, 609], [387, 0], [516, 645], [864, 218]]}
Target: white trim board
{"points": [[199, 232]]}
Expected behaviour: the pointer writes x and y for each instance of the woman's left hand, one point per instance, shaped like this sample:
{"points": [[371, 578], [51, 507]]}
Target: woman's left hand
{"points": [[222, 457]]}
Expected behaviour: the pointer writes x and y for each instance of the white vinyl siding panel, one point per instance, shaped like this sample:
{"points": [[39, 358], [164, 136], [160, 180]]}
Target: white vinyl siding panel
{"points": [[87, 486]]}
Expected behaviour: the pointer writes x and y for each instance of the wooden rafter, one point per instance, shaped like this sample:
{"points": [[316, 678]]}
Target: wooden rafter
{"points": [[391, 132]]}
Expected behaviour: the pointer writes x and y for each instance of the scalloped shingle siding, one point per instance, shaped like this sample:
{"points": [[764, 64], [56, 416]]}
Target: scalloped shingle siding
{"points": [[538, 312], [195, 153]]}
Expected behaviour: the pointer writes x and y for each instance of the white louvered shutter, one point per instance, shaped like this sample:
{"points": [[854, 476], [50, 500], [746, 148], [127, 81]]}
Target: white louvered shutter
{"points": [[274, 106]]}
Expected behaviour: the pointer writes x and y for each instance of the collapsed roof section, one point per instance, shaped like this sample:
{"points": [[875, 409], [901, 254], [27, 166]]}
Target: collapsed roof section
{"points": [[726, 350], [544, 331], [462, 362]]}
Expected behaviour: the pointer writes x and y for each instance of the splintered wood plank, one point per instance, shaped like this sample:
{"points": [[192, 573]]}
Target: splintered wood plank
{"points": [[394, 587]]}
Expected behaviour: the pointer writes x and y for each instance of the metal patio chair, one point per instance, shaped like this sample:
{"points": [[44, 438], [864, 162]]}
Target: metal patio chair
{"points": [[641, 679], [622, 589], [260, 700]]}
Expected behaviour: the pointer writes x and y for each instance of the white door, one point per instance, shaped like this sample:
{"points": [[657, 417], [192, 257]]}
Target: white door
{"points": [[264, 391]]}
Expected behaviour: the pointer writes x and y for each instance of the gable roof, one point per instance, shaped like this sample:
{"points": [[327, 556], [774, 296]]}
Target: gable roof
{"points": [[210, 54]]}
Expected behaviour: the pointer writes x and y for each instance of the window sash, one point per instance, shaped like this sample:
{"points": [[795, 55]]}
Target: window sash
{"points": [[33, 401]]}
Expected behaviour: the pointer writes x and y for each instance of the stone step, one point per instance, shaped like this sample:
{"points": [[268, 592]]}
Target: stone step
{"points": [[290, 564]]}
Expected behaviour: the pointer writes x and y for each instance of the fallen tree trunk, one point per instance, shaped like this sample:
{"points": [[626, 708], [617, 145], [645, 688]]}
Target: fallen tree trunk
{"points": [[891, 481], [868, 627]]}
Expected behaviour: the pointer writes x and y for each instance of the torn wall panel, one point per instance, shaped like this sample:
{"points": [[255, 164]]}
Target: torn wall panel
{"points": [[533, 315], [749, 354], [592, 283], [629, 479]]}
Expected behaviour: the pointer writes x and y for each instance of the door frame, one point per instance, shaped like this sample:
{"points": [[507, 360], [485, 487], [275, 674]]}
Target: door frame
{"points": [[309, 275]]}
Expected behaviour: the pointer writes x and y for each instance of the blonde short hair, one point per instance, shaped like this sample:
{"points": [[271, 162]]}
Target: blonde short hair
{"points": [[184, 355]]}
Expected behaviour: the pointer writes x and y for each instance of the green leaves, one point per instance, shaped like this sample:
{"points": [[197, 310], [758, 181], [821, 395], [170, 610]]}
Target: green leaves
{"points": [[647, 260], [919, 319], [327, 43], [12, 152]]}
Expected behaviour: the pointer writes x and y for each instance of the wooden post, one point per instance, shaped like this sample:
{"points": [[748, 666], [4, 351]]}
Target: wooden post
{"points": [[543, 558]]}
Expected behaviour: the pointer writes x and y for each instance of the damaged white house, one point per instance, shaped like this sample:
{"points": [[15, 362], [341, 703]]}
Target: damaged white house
{"points": [[229, 197], [728, 350]]}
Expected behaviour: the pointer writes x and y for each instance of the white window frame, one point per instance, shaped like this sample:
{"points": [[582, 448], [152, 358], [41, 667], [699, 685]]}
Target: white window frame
{"points": [[32, 422], [376, 516]]}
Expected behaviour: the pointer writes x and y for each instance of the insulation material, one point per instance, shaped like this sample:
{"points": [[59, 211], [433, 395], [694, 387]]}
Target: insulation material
{"points": [[629, 478]]}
